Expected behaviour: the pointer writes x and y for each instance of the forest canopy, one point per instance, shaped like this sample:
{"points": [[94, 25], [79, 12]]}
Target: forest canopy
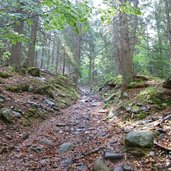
{"points": [[88, 40]]}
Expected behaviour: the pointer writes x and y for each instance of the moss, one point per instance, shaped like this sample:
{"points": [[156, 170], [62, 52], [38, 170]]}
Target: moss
{"points": [[26, 122], [44, 90], [141, 115], [137, 152], [33, 71], [137, 84], [18, 88], [150, 95], [5, 74]]}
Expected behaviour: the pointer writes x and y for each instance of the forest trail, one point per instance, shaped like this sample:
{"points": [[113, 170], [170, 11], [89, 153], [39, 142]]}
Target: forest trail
{"points": [[71, 141]]}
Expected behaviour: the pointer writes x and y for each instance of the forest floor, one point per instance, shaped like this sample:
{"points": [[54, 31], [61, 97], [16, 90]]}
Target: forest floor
{"points": [[74, 138], [83, 125]]}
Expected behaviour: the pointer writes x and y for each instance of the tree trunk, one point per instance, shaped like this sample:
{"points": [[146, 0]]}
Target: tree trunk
{"points": [[168, 19], [64, 61], [31, 48], [16, 51], [125, 60]]}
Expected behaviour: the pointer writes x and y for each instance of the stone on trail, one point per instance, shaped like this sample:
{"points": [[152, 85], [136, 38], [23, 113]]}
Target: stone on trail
{"points": [[112, 114], [45, 141], [127, 168], [99, 165], [65, 147], [118, 168], [141, 139], [113, 156]]}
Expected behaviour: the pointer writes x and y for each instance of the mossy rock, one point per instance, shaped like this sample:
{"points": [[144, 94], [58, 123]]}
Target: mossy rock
{"points": [[5, 74], [150, 95], [22, 87], [26, 122], [142, 139], [141, 115], [44, 90], [33, 71], [6, 115]]}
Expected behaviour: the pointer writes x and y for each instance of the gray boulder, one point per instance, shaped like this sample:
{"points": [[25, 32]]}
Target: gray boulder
{"points": [[99, 165], [141, 139]]}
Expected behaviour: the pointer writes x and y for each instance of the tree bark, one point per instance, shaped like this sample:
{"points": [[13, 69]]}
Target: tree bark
{"points": [[125, 60], [168, 19], [16, 50], [31, 48]]}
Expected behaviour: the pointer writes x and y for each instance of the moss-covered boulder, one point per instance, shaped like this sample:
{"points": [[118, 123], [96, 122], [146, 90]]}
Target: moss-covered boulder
{"points": [[33, 71], [21, 87], [151, 95], [5, 74], [141, 139]]}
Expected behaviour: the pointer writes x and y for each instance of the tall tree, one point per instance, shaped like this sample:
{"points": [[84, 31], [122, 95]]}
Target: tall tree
{"points": [[125, 60]]}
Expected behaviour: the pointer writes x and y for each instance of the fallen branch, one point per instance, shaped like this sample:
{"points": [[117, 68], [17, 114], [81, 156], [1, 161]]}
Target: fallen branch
{"points": [[162, 147]]}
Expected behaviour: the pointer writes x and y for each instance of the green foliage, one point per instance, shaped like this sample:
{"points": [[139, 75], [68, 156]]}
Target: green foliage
{"points": [[114, 8], [55, 15]]}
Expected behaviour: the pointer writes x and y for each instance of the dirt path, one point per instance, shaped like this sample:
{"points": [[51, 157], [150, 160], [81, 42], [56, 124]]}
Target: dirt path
{"points": [[82, 126]]}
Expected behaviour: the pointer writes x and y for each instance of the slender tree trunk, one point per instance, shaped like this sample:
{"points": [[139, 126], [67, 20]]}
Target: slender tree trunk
{"points": [[64, 61], [168, 18], [16, 51], [31, 48], [133, 39], [159, 44], [57, 54]]}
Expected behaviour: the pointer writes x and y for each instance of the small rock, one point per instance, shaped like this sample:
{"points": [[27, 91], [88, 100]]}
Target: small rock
{"points": [[60, 124], [118, 168], [127, 168], [8, 136], [50, 102], [66, 147], [152, 154], [36, 149], [66, 162], [145, 109], [46, 141], [43, 162], [17, 114], [95, 104], [82, 167], [99, 165], [113, 156], [112, 114], [6, 115], [25, 135], [142, 139], [2, 99]]}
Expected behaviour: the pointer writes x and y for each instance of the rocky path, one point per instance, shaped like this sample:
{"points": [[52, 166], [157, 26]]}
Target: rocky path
{"points": [[72, 141]]}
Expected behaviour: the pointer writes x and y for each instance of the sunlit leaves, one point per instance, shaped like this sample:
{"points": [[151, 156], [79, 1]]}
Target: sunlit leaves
{"points": [[112, 8]]}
